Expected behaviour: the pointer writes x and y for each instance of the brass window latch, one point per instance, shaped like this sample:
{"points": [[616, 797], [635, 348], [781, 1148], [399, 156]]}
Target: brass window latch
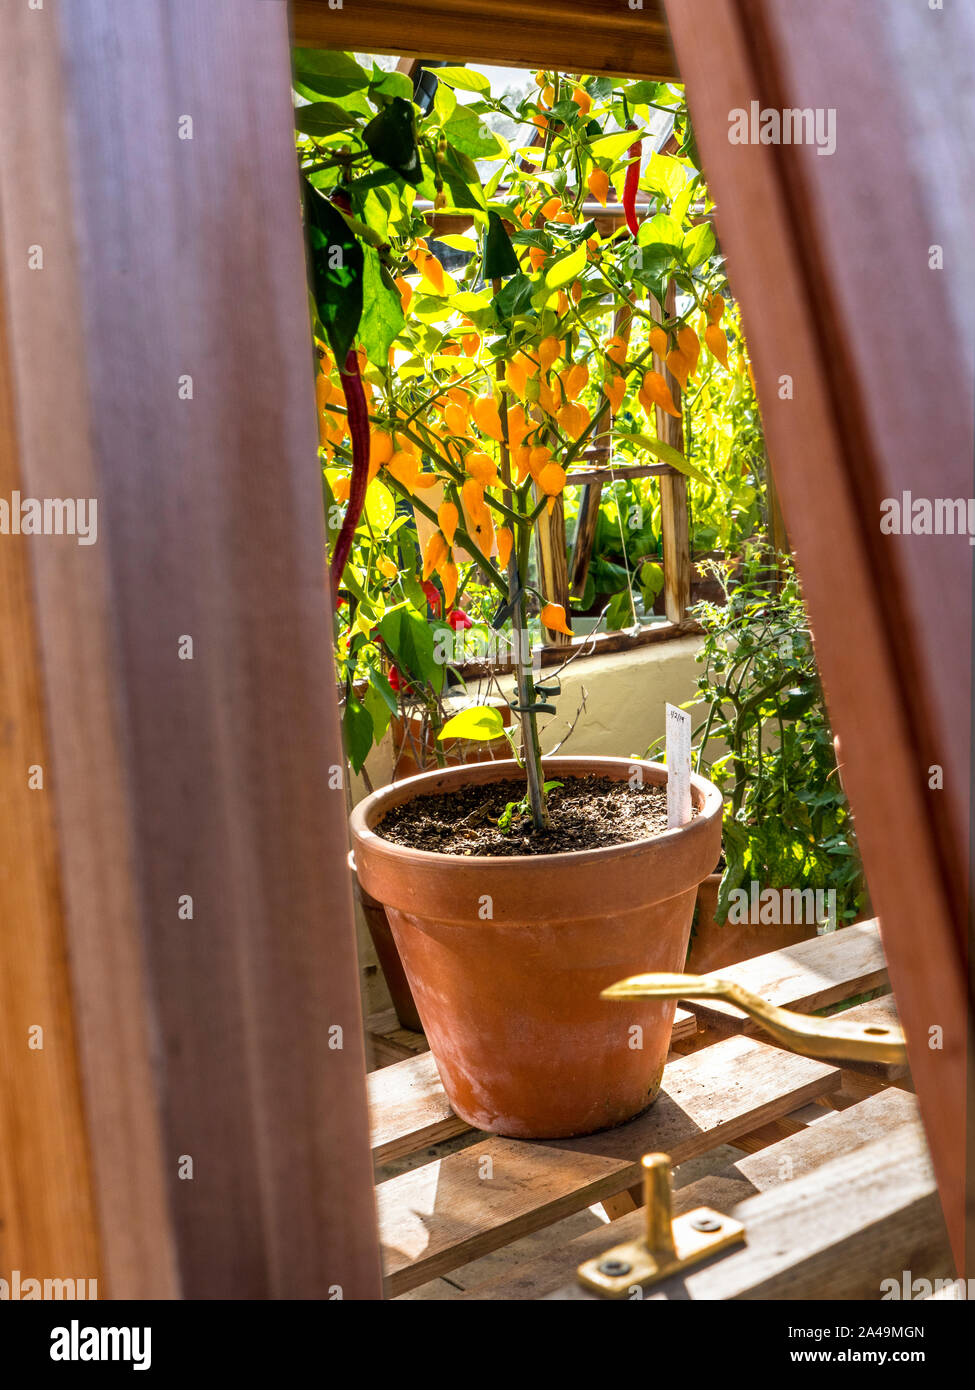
{"points": [[832, 1039], [668, 1245]]}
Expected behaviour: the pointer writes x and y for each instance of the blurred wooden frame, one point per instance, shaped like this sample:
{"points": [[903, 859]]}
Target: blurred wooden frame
{"points": [[162, 258], [233, 1039]]}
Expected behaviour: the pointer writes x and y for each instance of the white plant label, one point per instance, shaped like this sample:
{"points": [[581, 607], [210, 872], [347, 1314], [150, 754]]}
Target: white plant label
{"points": [[678, 766]]}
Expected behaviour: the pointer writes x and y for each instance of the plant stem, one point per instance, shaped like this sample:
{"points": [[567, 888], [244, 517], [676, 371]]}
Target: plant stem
{"points": [[524, 682]]}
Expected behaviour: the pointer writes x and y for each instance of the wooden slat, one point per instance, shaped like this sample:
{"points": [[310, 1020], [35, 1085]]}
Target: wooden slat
{"points": [[801, 1153], [685, 1026], [617, 475], [839, 1230], [214, 1039], [597, 36], [453, 1210], [805, 977], [409, 1110], [784, 1127], [893, 643], [881, 1012], [389, 1049]]}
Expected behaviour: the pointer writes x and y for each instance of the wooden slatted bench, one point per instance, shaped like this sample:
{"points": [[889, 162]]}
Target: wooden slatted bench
{"points": [[793, 1117]]}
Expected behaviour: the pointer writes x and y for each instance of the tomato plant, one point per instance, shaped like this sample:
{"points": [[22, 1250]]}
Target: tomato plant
{"points": [[765, 740]]}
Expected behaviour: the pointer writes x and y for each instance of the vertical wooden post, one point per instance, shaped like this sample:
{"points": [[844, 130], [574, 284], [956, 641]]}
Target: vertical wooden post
{"points": [[674, 524], [589, 505], [180, 910], [585, 533], [553, 562]]}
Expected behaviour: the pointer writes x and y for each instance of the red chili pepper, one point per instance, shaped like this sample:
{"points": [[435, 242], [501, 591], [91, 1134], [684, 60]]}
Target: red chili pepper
{"points": [[630, 187], [358, 420], [358, 417], [459, 620], [433, 596]]}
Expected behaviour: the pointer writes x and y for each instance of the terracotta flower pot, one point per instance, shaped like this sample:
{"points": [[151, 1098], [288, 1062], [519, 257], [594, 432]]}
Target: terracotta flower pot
{"points": [[387, 955], [715, 945], [506, 957]]}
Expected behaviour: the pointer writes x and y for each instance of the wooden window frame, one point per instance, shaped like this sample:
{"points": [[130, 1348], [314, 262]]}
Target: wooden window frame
{"points": [[283, 1199]]}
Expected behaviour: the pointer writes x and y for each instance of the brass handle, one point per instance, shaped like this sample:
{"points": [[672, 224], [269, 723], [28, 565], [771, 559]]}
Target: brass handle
{"points": [[830, 1038]]}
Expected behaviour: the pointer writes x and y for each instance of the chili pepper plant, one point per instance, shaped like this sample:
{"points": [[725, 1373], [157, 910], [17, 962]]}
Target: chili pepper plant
{"points": [[454, 403]]}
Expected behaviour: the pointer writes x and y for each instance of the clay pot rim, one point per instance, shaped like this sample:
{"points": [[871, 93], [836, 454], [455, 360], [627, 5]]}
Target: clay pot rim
{"points": [[365, 815]]}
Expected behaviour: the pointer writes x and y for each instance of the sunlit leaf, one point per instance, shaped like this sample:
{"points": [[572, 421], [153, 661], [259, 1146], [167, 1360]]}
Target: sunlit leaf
{"points": [[464, 78], [666, 453], [481, 722], [613, 146], [569, 268]]}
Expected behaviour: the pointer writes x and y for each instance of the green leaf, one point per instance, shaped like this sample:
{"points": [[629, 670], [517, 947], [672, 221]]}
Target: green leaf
{"points": [[382, 312], [620, 613], [464, 78], [651, 582], [323, 118], [383, 688], [588, 596], [514, 299], [470, 135], [391, 84], [412, 566], [457, 242], [661, 230], [639, 93], [613, 146], [378, 713], [357, 728], [444, 102], [337, 268], [373, 207], [460, 175], [664, 174], [329, 72], [666, 453], [410, 641], [680, 205], [481, 722], [491, 187], [391, 138], [469, 303], [567, 269], [650, 265], [698, 244], [607, 577], [499, 259]]}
